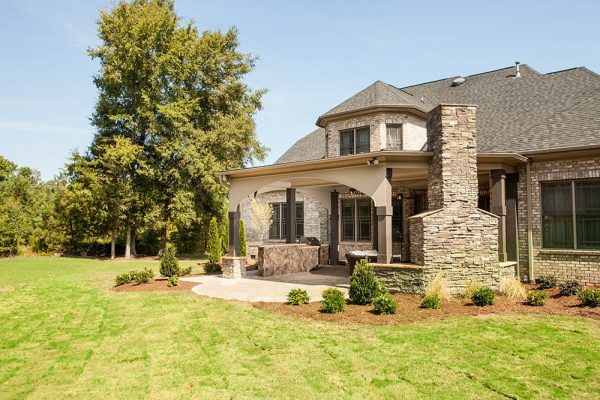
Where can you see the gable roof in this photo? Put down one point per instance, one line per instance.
(531, 113)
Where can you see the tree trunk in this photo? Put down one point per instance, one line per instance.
(112, 244)
(132, 243)
(163, 239)
(128, 240)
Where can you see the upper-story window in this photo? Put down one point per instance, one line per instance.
(394, 137)
(355, 141)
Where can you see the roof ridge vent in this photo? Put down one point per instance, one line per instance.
(458, 81)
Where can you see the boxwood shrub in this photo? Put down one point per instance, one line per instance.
(211, 268)
(483, 296)
(432, 301)
(589, 297)
(333, 301)
(569, 288)
(364, 285)
(546, 282)
(385, 304)
(173, 281)
(537, 297)
(298, 296)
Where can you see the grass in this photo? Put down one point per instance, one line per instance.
(64, 333)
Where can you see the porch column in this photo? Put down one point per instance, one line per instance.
(234, 233)
(498, 207)
(290, 216)
(512, 230)
(334, 241)
(384, 225)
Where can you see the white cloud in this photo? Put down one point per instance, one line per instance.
(10, 127)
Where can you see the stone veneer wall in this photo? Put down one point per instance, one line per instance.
(413, 130)
(455, 238)
(581, 265)
(286, 259)
(400, 278)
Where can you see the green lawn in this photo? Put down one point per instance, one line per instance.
(65, 334)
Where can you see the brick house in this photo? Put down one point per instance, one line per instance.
(476, 177)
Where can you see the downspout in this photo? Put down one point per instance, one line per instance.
(529, 224)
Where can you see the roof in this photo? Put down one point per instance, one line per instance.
(531, 113)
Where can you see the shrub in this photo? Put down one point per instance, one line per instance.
(438, 286)
(169, 264)
(569, 288)
(546, 282)
(185, 271)
(123, 279)
(385, 304)
(214, 242)
(242, 239)
(143, 276)
(298, 296)
(333, 301)
(211, 268)
(432, 301)
(513, 289)
(173, 281)
(537, 297)
(224, 239)
(483, 296)
(471, 288)
(364, 285)
(589, 297)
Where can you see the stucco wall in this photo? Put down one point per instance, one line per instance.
(580, 265)
(414, 134)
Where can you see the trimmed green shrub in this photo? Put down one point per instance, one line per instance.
(224, 238)
(569, 288)
(364, 285)
(173, 281)
(185, 271)
(298, 296)
(123, 278)
(483, 296)
(537, 297)
(333, 301)
(169, 264)
(432, 301)
(214, 242)
(589, 297)
(385, 304)
(546, 282)
(211, 268)
(143, 276)
(242, 239)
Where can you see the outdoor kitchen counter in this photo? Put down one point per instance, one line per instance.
(282, 259)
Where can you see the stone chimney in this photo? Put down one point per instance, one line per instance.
(452, 136)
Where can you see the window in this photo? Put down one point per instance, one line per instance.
(356, 219)
(394, 137)
(355, 141)
(483, 199)
(397, 220)
(278, 228)
(571, 215)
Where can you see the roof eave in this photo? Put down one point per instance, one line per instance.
(419, 111)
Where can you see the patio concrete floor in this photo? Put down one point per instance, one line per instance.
(271, 288)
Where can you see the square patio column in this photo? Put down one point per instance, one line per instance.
(498, 207)
(334, 241)
(234, 233)
(290, 215)
(384, 225)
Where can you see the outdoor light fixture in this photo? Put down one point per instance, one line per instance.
(373, 161)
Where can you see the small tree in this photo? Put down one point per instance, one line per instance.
(261, 216)
(214, 242)
(225, 239)
(242, 239)
(169, 264)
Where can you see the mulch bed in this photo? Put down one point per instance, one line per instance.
(155, 285)
(409, 310)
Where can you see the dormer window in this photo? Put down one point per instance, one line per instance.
(394, 137)
(355, 141)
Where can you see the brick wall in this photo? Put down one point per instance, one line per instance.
(583, 266)
(413, 130)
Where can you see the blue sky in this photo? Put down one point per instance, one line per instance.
(313, 55)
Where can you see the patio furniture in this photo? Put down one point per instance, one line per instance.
(353, 256)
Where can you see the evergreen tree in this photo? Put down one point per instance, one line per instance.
(224, 238)
(214, 242)
(242, 239)
(169, 264)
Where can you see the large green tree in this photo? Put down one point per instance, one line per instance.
(179, 95)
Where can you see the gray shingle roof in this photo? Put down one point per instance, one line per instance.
(533, 112)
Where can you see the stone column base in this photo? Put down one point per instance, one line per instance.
(233, 267)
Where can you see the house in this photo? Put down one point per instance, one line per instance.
(477, 178)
